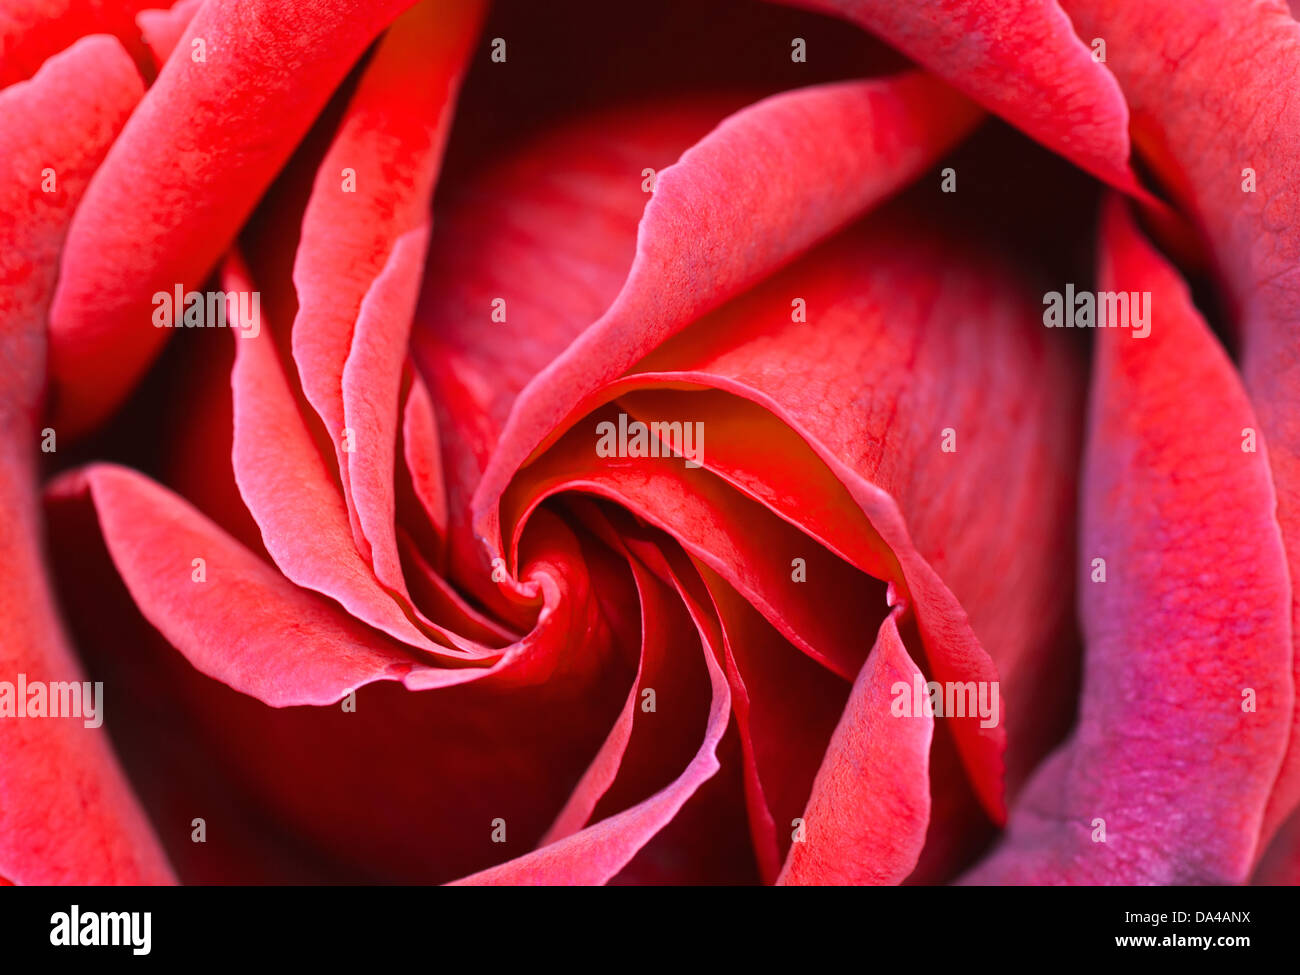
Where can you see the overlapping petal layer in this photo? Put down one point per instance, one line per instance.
(845, 442)
(33, 31)
(230, 119)
(549, 644)
(1018, 58)
(716, 226)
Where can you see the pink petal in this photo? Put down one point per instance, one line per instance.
(1167, 757)
(1213, 92)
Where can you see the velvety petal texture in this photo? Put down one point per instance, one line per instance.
(1213, 91)
(1019, 58)
(146, 227)
(67, 813)
(676, 276)
(632, 451)
(869, 807)
(373, 187)
(1187, 688)
(32, 31)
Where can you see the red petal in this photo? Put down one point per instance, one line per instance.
(550, 231)
(34, 30)
(371, 391)
(1018, 58)
(244, 624)
(1191, 615)
(871, 387)
(511, 745)
(1279, 864)
(645, 751)
(92, 87)
(67, 814)
(786, 708)
(390, 141)
(870, 805)
(746, 545)
(850, 428)
(1214, 93)
(290, 493)
(765, 185)
(151, 221)
(163, 29)
(597, 853)
(423, 459)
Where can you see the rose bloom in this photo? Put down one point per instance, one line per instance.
(683, 442)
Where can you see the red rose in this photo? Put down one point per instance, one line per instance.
(625, 446)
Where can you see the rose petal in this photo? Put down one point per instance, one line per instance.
(1018, 58)
(805, 169)
(645, 749)
(1212, 87)
(250, 627)
(597, 853)
(439, 599)
(163, 29)
(372, 191)
(870, 804)
(1279, 863)
(67, 813)
(147, 225)
(371, 391)
(1189, 627)
(227, 623)
(786, 710)
(280, 786)
(888, 362)
(283, 478)
(34, 30)
(423, 459)
(852, 427)
(549, 231)
(46, 169)
(746, 545)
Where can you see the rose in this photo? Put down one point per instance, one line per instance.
(389, 484)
